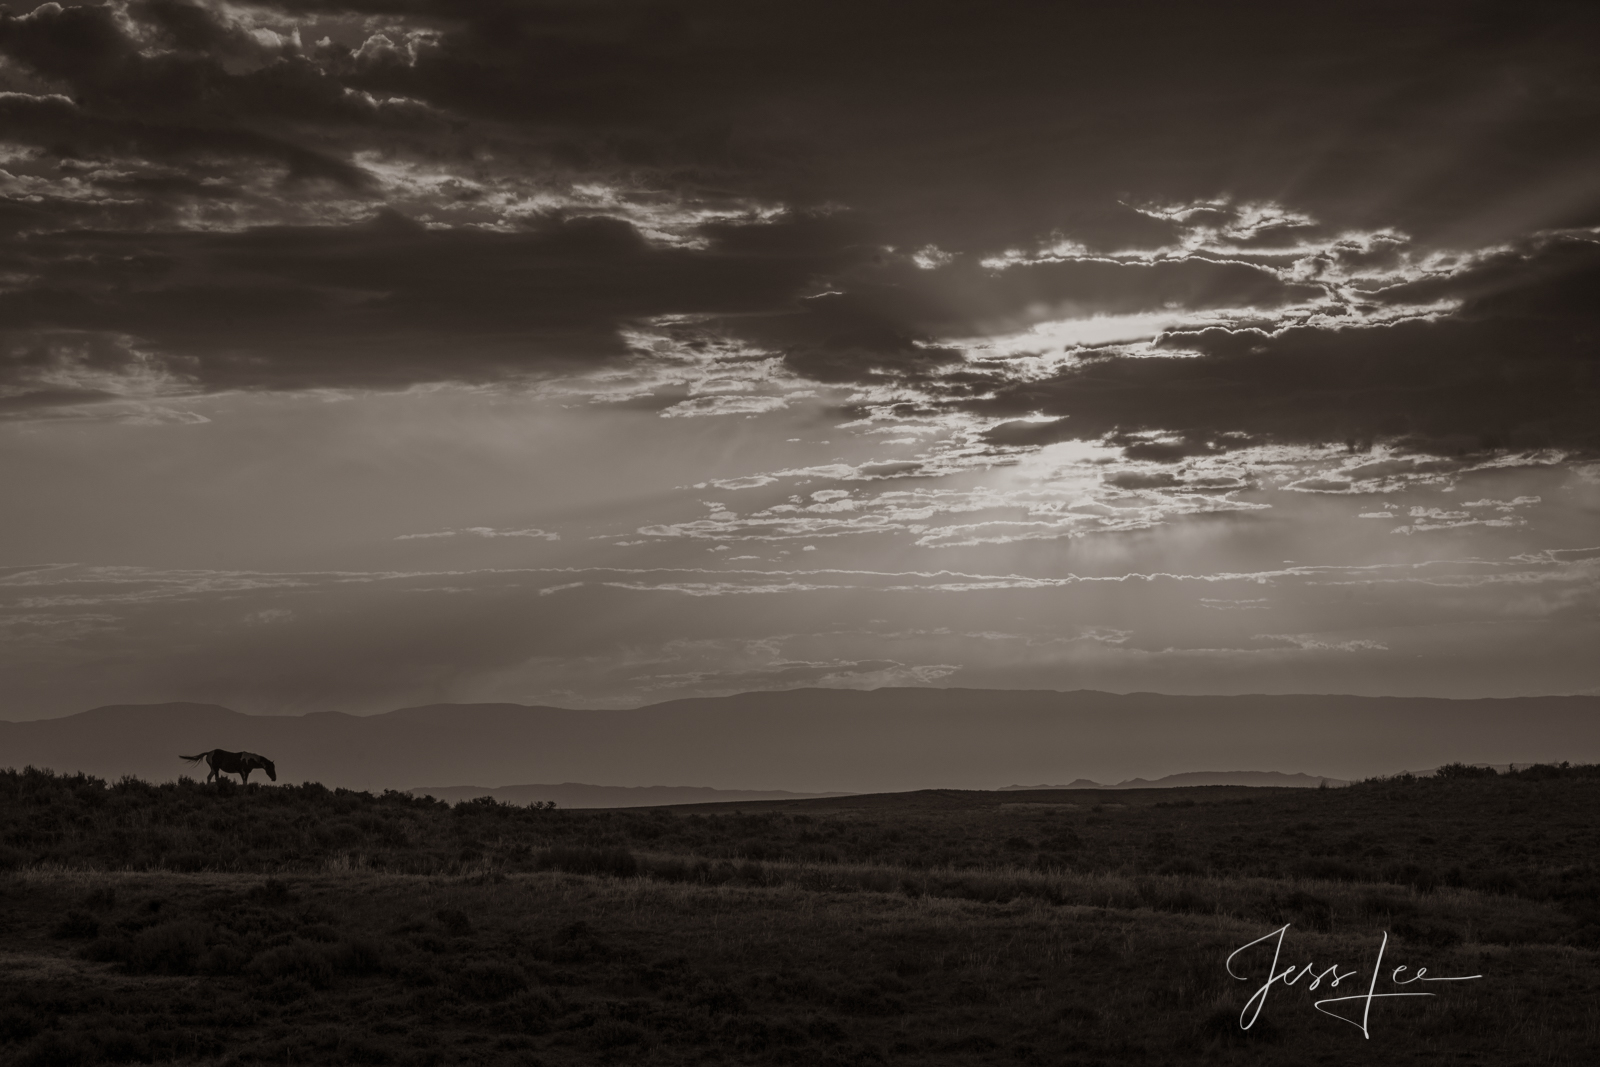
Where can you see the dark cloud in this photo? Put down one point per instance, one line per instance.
(780, 674)
(1134, 479)
(385, 192)
(68, 131)
(184, 67)
(1107, 288)
(25, 400)
(1517, 367)
(386, 303)
(885, 305)
(968, 122)
(841, 337)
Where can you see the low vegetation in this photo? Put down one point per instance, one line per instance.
(225, 924)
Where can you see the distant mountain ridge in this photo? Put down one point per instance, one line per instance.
(827, 740)
(578, 795)
(1173, 781)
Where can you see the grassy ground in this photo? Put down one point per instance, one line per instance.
(479, 934)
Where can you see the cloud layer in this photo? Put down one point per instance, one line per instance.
(668, 348)
(204, 198)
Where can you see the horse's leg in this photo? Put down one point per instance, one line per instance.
(244, 775)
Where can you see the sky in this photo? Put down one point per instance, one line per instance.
(391, 352)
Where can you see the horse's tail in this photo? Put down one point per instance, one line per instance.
(195, 759)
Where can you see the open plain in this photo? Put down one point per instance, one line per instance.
(219, 924)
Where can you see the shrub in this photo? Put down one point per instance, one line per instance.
(287, 991)
(1422, 879)
(358, 956)
(106, 950)
(17, 1025)
(1183, 902)
(299, 960)
(102, 899)
(76, 924)
(1222, 1027)
(1496, 881)
(1434, 935)
(1375, 904)
(529, 1012)
(491, 981)
(171, 948)
(362, 1051)
(56, 1049)
(455, 922)
(672, 870)
(1313, 911)
(120, 1046)
(576, 943)
(1327, 868)
(1064, 841)
(416, 974)
(223, 960)
(611, 1034)
(617, 862)
(1464, 770)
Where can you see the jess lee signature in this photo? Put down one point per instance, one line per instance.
(1291, 976)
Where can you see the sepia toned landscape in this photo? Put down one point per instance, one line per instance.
(808, 532)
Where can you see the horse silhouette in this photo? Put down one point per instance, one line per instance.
(241, 763)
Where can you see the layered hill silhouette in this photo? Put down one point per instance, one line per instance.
(828, 740)
(579, 795)
(1175, 781)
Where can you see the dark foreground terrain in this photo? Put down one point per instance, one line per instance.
(219, 924)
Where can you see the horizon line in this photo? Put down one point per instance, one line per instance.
(801, 689)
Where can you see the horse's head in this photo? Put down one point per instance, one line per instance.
(265, 764)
